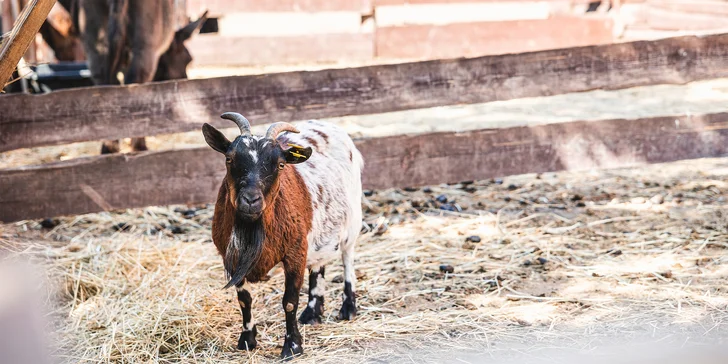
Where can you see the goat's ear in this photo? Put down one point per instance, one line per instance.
(192, 28)
(297, 154)
(215, 139)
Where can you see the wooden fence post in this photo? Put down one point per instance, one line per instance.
(22, 35)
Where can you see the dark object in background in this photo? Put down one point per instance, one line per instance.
(49, 77)
(49, 223)
(210, 26)
(447, 268)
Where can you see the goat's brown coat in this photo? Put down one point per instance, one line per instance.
(287, 223)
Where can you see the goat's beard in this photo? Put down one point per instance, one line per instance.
(244, 249)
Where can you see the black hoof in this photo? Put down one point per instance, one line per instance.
(247, 340)
(348, 310)
(291, 349)
(309, 317)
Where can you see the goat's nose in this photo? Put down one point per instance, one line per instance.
(251, 199)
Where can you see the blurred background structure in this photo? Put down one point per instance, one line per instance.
(242, 33)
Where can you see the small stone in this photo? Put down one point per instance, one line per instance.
(368, 193)
(615, 252)
(667, 274)
(527, 263)
(49, 223)
(657, 199)
(542, 261)
(447, 268)
(441, 199)
(498, 181)
(188, 213)
(410, 189)
(470, 189)
(473, 238)
(469, 246)
(512, 187)
(448, 207)
(577, 197)
(176, 229)
(122, 226)
(580, 204)
(427, 190)
(507, 199)
(338, 279)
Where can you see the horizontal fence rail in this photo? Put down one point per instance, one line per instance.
(113, 112)
(109, 182)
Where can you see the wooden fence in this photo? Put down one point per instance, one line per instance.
(191, 176)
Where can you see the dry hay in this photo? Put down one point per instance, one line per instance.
(566, 260)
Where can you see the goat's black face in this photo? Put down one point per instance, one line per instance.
(253, 167)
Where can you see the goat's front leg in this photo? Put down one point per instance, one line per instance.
(294, 271)
(245, 299)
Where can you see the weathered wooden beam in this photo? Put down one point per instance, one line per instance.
(22, 35)
(113, 112)
(483, 38)
(193, 175)
(222, 7)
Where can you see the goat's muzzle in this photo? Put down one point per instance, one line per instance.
(250, 205)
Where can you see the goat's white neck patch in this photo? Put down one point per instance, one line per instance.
(234, 241)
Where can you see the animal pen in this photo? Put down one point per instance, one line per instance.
(526, 201)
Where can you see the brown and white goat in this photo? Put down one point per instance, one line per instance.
(282, 202)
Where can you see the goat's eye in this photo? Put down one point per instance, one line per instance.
(281, 165)
(228, 160)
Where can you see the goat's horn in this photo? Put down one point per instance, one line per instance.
(278, 128)
(239, 120)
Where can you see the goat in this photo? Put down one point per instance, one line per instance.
(137, 33)
(280, 202)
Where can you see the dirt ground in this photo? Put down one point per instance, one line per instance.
(618, 266)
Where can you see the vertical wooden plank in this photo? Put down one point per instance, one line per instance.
(22, 35)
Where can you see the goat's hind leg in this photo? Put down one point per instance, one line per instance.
(312, 314)
(348, 307)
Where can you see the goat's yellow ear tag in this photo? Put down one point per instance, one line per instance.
(298, 155)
